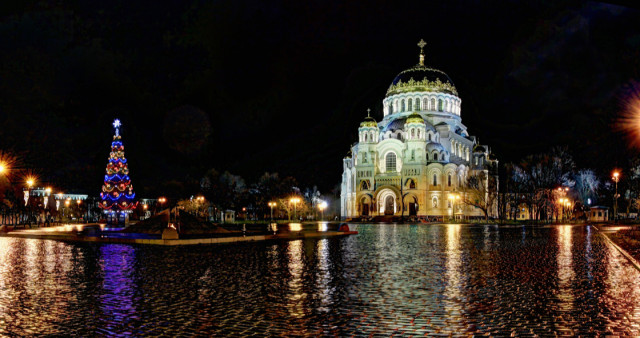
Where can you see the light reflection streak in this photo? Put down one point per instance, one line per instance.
(117, 265)
(296, 266)
(295, 226)
(323, 226)
(454, 264)
(323, 275)
(566, 273)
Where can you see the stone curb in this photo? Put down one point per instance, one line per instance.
(195, 241)
(621, 250)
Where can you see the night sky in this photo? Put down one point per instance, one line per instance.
(260, 86)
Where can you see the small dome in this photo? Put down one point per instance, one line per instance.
(415, 118)
(479, 149)
(369, 122)
(397, 124)
(431, 146)
(422, 79)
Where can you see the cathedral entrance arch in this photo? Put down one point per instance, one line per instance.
(387, 202)
(364, 205)
(412, 204)
(389, 205)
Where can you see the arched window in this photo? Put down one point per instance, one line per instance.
(449, 180)
(446, 106)
(410, 104)
(412, 184)
(418, 133)
(366, 137)
(433, 104)
(364, 185)
(390, 161)
(435, 157)
(434, 202)
(435, 179)
(439, 104)
(402, 105)
(391, 108)
(427, 155)
(429, 137)
(413, 133)
(417, 104)
(425, 104)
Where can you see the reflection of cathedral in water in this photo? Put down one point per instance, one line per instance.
(420, 153)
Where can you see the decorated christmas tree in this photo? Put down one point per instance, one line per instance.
(117, 192)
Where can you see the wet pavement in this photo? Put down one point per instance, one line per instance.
(390, 279)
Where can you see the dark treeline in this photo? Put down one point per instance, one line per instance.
(544, 186)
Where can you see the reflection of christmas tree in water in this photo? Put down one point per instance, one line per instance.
(117, 192)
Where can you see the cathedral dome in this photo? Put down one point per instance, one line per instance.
(415, 118)
(369, 122)
(422, 79)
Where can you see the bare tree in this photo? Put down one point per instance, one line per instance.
(480, 191)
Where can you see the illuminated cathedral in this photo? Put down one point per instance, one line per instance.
(415, 161)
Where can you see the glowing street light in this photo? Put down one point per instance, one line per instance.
(295, 201)
(322, 206)
(271, 205)
(2, 168)
(616, 178)
(453, 198)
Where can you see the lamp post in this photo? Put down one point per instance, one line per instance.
(162, 200)
(67, 203)
(453, 198)
(30, 183)
(322, 206)
(295, 202)
(78, 201)
(271, 205)
(616, 178)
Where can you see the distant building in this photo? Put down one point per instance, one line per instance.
(598, 213)
(418, 156)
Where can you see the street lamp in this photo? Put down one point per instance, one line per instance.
(322, 206)
(616, 178)
(271, 205)
(295, 202)
(453, 198)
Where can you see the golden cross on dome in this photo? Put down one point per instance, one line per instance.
(421, 44)
(368, 112)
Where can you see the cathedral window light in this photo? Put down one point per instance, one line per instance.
(390, 161)
(410, 104)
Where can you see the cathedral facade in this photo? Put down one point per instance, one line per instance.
(416, 160)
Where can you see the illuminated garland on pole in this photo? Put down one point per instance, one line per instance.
(117, 191)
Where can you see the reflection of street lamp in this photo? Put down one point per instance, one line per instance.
(616, 178)
(295, 202)
(272, 205)
(322, 206)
